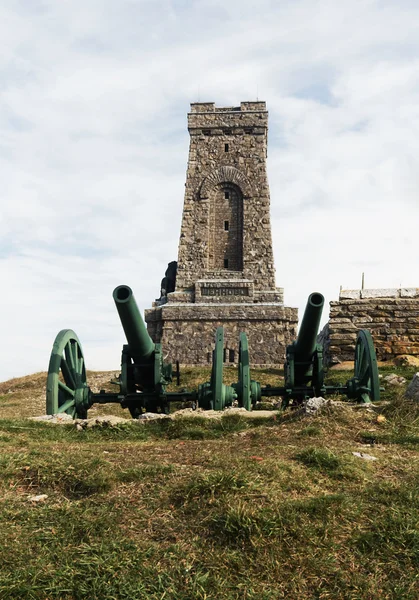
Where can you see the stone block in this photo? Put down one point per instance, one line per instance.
(343, 337)
(349, 294)
(405, 360)
(380, 293)
(409, 293)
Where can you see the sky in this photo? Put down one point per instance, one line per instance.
(94, 96)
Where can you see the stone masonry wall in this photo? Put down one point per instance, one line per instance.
(187, 333)
(227, 152)
(391, 315)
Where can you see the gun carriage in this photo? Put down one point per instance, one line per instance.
(304, 369)
(142, 383)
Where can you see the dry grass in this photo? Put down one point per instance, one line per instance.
(195, 509)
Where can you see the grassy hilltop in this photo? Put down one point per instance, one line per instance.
(233, 508)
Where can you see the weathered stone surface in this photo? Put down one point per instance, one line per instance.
(54, 419)
(405, 360)
(225, 272)
(114, 421)
(383, 293)
(409, 292)
(412, 391)
(38, 498)
(226, 182)
(349, 294)
(315, 405)
(391, 315)
(364, 456)
(395, 380)
(189, 331)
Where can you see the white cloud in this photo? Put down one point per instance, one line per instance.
(93, 150)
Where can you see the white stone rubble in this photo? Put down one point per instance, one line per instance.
(412, 391)
(314, 405)
(39, 498)
(364, 456)
(394, 379)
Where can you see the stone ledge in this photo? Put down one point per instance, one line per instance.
(349, 294)
(379, 293)
(409, 293)
(222, 312)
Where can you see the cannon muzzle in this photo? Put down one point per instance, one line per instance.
(140, 344)
(305, 344)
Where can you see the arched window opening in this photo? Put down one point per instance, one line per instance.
(226, 231)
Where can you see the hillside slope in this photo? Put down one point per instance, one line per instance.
(200, 509)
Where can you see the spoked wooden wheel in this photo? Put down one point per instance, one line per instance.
(365, 386)
(67, 389)
(217, 388)
(243, 384)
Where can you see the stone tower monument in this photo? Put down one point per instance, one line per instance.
(225, 271)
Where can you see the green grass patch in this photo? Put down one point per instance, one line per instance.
(327, 462)
(209, 488)
(378, 437)
(144, 472)
(322, 459)
(210, 509)
(310, 431)
(72, 477)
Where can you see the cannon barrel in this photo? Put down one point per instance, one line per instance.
(305, 343)
(140, 344)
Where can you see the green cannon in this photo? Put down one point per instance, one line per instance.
(143, 379)
(142, 383)
(304, 356)
(144, 375)
(304, 370)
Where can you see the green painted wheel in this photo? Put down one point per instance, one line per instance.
(365, 384)
(213, 394)
(243, 387)
(67, 389)
(218, 397)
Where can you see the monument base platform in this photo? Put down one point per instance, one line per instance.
(187, 331)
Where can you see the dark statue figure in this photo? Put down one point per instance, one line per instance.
(168, 283)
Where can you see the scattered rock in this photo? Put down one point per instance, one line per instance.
(59, 418)
(406, 360)
(147, 416)
(364, 456)
(218, 414)
(113, 420)
(103, 421)
(394, 379)
(188, 412)
(314, 405)
(234, 410)
(39, 498)
(412, 391)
